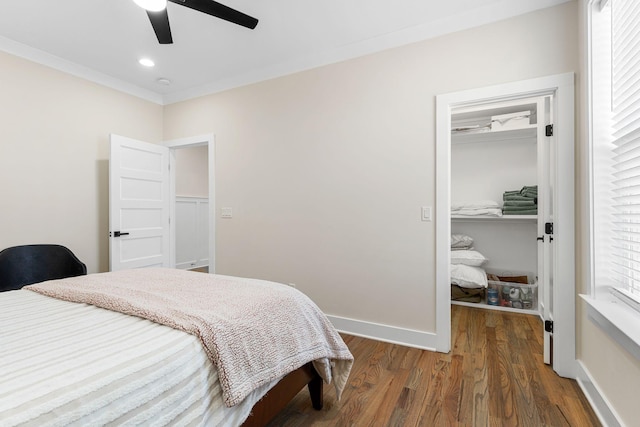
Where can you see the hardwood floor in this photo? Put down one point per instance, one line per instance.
(494, 376)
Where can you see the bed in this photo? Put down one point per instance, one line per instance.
(121, 349)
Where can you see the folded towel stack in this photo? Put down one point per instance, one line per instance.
(476, 208)
(521, 202)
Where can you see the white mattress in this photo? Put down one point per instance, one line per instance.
(68, 364)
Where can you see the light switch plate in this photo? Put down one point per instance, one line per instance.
(227, 213)
(426, 213)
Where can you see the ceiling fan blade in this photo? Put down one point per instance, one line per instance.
(160, 23)
(218, 10)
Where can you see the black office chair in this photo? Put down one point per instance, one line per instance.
(24, 265)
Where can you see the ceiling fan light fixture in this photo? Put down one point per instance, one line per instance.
(152, 5)
(159, 16)
(146, 62)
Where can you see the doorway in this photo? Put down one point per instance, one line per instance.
(562, 265)
(192, 208)
(198, 203)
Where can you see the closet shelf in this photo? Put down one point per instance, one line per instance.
(525, 133)
(505, 218)
(496, 307)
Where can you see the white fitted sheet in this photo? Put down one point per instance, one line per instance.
(69, 364)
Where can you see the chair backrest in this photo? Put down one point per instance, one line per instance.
(24, 265)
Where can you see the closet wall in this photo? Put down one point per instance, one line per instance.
(482, 169)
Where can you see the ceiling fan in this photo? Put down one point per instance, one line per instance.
(157, 12)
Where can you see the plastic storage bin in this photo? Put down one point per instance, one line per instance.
(516, 295)
(522, 296)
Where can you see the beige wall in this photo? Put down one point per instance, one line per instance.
(54, 151)
(326, 170)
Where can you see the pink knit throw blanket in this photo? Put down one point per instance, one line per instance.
(253, 331)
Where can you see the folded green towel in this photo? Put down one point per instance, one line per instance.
(515, 197)
(525, 212)
(518, 208)
(526, 196)
(529, 191)
(525, 188)
(529, 203)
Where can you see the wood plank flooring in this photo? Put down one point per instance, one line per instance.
(494, 376)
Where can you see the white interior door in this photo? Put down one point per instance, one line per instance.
(139, 204)
(545, 216)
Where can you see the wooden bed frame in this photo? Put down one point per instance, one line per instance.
(282, 393)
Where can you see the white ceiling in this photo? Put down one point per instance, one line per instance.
(102, 40)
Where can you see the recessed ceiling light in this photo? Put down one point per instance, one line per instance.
(163, 81)
(146, 62)
(152, 5)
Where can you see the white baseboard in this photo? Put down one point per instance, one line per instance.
(598, 401)
(386, 333)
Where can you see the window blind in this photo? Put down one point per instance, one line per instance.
(625, 106)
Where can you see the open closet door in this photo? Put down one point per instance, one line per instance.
(546, 259)
(139, 204)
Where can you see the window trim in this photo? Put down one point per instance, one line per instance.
(619, 320)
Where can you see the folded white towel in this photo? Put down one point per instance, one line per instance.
(479, 204)
(477, 212)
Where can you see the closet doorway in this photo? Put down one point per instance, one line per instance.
(192, 162)
(192, 208)
(517, 134)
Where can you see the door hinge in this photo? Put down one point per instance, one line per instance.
(548, 228)
(548, 326)
(548, 130)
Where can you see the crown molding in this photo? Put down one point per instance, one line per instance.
(68, 67)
